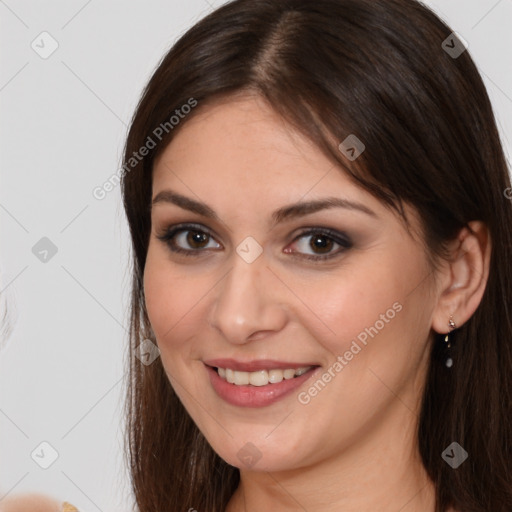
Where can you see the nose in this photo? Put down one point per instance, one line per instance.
(247, 307)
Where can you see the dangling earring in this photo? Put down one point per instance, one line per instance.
(449, 360)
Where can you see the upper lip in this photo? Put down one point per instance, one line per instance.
(255, 365)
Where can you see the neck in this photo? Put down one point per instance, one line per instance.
(381, 470)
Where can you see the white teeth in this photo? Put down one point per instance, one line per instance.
(289, 374)
(275, 376)
(260, 377)
(242, 379)
(230, 376)
(257, 378)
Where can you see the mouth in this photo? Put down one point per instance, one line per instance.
(258, 383)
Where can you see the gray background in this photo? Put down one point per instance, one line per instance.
(63, 122)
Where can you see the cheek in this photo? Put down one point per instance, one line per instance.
(360, 303)
(166, 298)
(375, 347)
(373, 324)
(174, 303)
(159, 297)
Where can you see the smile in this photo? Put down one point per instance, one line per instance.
(260, 377)
(257, 383)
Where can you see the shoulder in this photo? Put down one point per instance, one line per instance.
(33, 502)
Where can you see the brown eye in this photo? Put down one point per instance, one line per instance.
(196, 239)
(321, 244)
(188, 240)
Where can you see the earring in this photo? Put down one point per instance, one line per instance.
(449, 360)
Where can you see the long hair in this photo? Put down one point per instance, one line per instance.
(382, 70)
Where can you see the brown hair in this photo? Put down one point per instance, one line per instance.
(331, 68)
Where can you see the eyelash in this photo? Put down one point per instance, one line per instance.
(340, 238)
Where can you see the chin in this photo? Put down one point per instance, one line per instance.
(255, 453)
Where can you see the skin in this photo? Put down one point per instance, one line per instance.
(353, 446)
(34, 502)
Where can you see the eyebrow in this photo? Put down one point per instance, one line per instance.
(286, 212)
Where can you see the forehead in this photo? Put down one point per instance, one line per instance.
(241, 144)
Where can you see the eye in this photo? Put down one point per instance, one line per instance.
(321, 242)
(191, 239)
(187, 239)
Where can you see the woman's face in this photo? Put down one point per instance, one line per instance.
(244, 295)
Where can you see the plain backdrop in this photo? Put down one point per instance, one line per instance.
(64, 254)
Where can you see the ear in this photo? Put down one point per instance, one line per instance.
(464, 277)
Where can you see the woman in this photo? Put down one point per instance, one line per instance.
(321, 273)
(322, 247)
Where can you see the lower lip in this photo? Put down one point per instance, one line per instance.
(255, 396)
